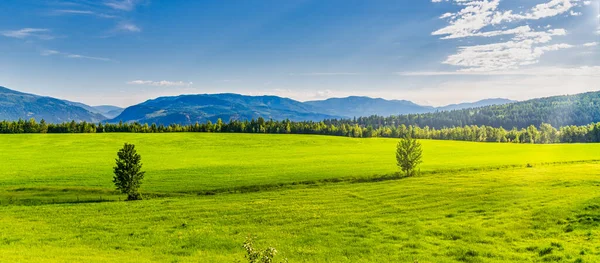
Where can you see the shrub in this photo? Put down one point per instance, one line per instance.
(257, 256)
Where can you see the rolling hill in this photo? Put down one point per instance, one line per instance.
(16, 105)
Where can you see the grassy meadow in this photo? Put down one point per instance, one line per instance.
(474, 202)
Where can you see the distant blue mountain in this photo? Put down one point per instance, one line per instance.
(108, 110)
(16, 105)
(364, 106)
(188, 109)
(477, 104)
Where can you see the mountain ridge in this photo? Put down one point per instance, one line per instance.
(191, 108)
(16, 105)
(186, 109)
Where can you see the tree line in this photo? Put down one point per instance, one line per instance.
(544, 133)
(558, 111)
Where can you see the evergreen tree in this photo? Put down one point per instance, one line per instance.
(408, 155)
(128, 172)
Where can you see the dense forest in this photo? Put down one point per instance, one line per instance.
(544, 133)
(558, 111)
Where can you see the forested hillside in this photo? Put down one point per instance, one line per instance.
(16, 105)
(580, 109)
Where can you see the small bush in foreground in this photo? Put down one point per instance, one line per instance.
(256, 256)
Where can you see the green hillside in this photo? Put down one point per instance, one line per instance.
(579, 109)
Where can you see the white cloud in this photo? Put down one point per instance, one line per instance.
(77, 12)
(523, 49)
(526, 45)
(86, 57)
(122, 5)
(472, 18)
(591, 44)
(162, 83)
(40, 33)
(50, 52)
(128, 27)
(81, 12)
(326, 74)
(549, 9)
(573, 13)
(589, 71)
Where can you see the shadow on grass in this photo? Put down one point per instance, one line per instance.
(33, 196)
(370, 179)
(30, 196)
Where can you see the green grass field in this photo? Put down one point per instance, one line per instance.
(474, 202)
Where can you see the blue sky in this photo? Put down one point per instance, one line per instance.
(433, 52)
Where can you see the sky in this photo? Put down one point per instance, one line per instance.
(432, 52)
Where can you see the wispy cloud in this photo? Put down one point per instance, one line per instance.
(123, 5)
(326, 74)
(589, 71)
(40, 33)
(81, 12)
(162, 83)
(87, 57)
(128, 27)
(50, 52)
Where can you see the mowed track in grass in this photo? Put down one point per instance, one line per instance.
(196, 162)
(547, 213)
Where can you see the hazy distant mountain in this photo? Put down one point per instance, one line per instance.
(365, 106)
(109, 111)
(187, 109)
(477, 104)
(16, 105)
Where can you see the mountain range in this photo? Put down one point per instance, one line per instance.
(187, 109)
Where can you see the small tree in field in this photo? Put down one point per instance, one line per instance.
(408, 155)
(128, 172)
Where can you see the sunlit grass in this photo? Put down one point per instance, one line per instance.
(509, 215)
(475, 202)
